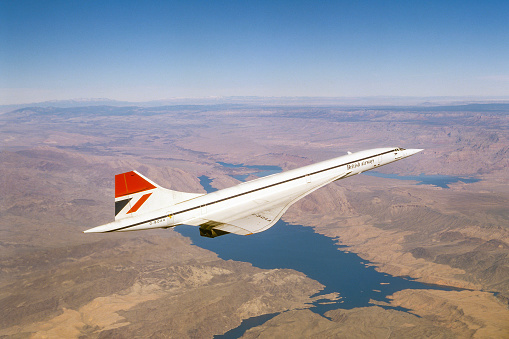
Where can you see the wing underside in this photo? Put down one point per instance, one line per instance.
(258, 221)
(253, 223)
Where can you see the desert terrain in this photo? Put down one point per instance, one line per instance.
(57, 167)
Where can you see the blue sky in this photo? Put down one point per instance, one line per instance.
(148, 50)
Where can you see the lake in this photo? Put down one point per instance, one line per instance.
(258, 170)
(435, 180)
(300, 248)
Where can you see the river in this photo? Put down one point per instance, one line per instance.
(300, 248)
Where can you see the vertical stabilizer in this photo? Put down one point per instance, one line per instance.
(131, 182)
(136, 194)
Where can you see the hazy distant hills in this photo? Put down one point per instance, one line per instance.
(449, 103)
(459, 114)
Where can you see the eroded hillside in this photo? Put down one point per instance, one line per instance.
(57, 166)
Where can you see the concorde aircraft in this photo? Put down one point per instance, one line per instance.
(247, 208)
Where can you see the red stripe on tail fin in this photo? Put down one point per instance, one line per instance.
(139, 203)
(129, 183)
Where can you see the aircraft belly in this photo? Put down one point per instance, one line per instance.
(247, 216)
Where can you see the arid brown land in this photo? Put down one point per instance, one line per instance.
(57, 168)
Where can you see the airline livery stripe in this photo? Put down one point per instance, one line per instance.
(139, 203)
(255, 190)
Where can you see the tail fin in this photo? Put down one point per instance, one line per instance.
(136, 194)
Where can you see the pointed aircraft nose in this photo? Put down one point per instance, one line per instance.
(94, 230)
(412, 151)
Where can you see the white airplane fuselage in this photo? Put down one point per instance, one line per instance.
(254, 206)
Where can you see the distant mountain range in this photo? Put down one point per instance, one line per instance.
(380, 101)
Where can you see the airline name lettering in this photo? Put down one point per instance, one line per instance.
(359, 164)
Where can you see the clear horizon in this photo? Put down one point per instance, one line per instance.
(133, 51)
(366, 102)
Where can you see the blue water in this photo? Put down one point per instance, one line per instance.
(259, 170)
(205, 182)
(422, 179)
(300, 248)
(257, 167)
(238, 332)
(435, 180)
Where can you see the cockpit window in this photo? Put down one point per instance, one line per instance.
(399, 149)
